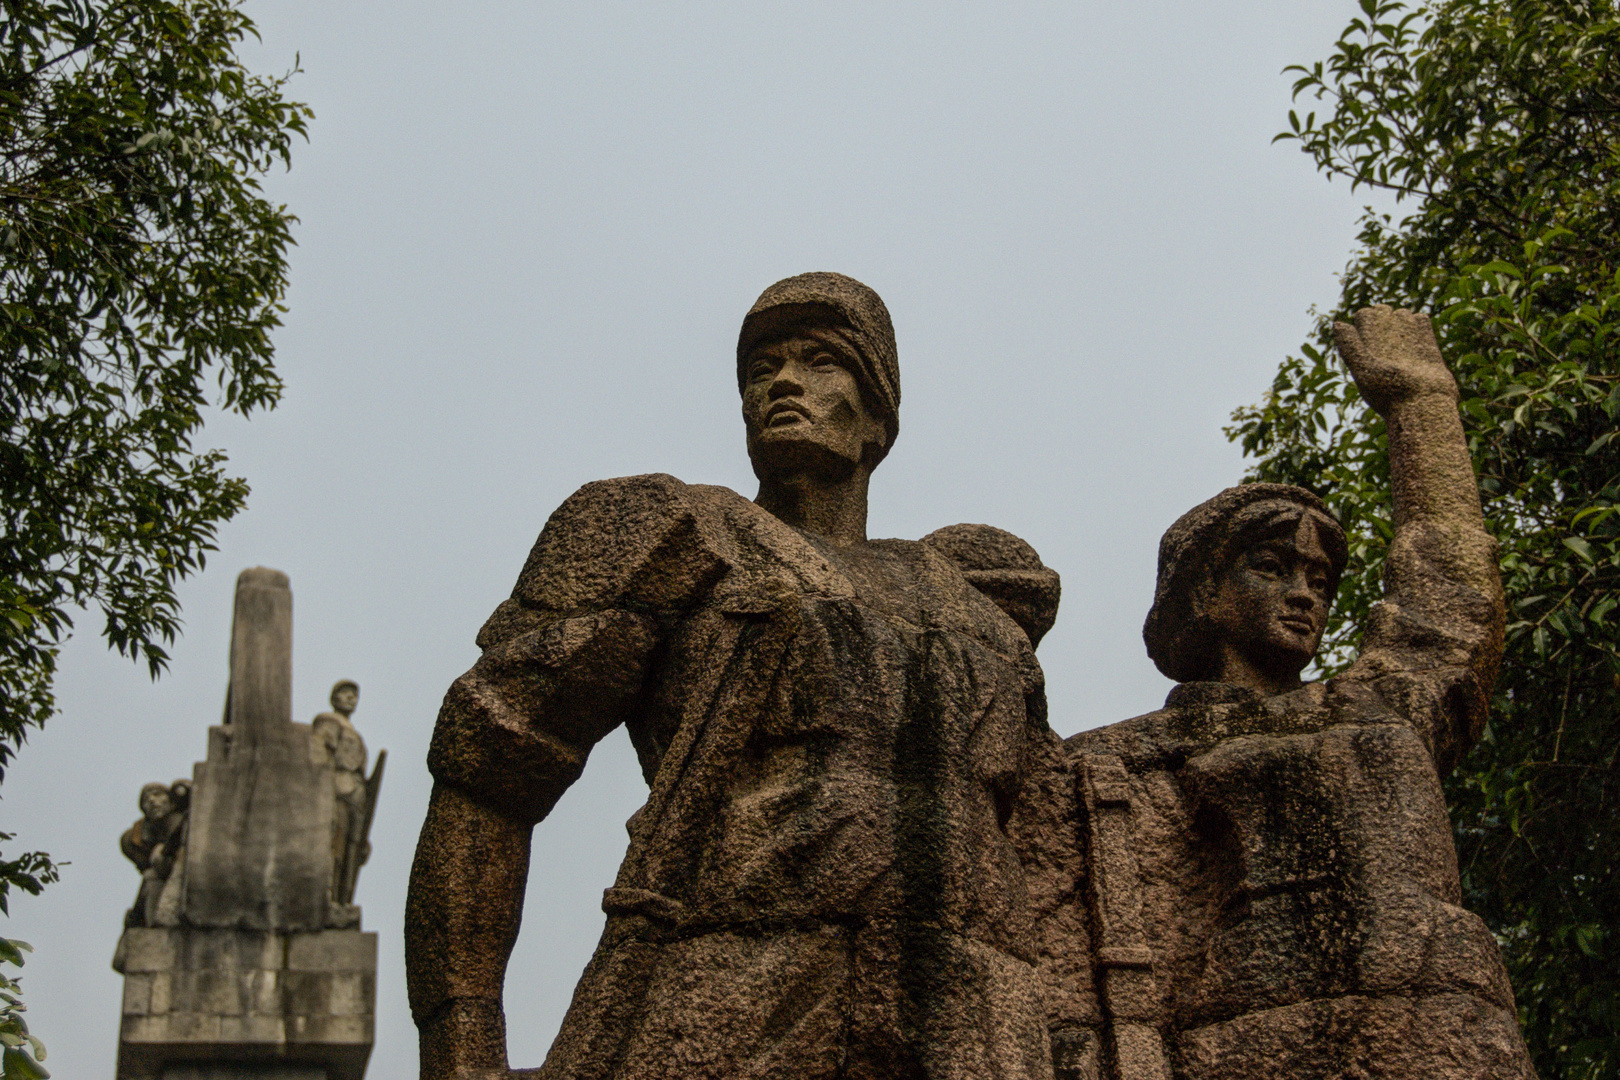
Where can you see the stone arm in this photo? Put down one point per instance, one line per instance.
(1432, 646)
(513, 734)
(564, 661)
(323, 737)
(133, 843)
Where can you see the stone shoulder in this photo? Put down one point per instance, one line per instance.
(945, 596)
(647, 544)
(1006, 569)
(1198, 717)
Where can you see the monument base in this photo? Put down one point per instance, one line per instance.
(205, 1004)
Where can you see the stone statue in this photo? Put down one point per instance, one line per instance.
(232, 967)
(336, 741)
(154, 843)
(834, 732)
(1269, 878)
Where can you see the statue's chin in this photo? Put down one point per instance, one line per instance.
(781, 453)
(1282, 667)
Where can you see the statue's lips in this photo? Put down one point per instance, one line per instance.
(1301, 626)
(785, 411)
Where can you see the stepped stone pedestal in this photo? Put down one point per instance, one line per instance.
(222, 1004)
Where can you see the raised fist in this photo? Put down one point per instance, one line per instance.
(1393, 356)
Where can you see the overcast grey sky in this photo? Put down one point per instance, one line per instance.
(529, 233)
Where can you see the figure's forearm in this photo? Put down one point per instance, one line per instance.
(1444, 619)
(1440, 539)
(461, 920)
(1431, 473)
(512, 735)
(1439, 524)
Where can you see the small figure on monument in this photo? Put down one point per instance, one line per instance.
(834, 731)
(336, 741)
(154, 842)
(1272, 886)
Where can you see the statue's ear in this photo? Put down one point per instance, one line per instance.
(1005, 569)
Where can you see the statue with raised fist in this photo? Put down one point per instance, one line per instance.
(1272, 882)
(864, 854)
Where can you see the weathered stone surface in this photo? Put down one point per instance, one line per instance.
(229, 1004)
(335, 742)
(1006, 569)
(1437, 1037)
(259, 850)
(849, 728)
(864, 854)
(835, 732)
(156, 845)
(1288, 844)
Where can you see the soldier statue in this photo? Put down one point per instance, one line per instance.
(833, 730)
(355, 797)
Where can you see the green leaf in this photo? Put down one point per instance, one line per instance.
(145, 274)
(19, 1066)
(1579, 547)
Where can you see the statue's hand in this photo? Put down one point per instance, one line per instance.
(1393, 357)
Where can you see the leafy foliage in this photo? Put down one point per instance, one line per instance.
(22, 1053)
(139, 254)
(29, 872)
(1497, 123)
(19, 1050)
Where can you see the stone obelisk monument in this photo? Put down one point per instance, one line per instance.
(236, 967)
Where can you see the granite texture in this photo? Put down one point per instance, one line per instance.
(1272, 884)
(820, 882)
(232, 1004)
(865, 854)
(833, 731)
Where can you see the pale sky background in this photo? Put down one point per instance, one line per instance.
(529, 233)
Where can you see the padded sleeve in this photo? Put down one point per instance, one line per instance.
(1431, 647)
(1005, 569)
(565, 659)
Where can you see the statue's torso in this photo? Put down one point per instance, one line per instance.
(1296, 872)
(336, 740)
(820, 883)
(858, 751)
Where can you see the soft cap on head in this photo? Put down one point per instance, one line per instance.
(850, 305)
(1191, 554)
(341, 685)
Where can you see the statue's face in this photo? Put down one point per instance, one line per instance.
(344, 699)
(1272, 600)
(803, 409)
(155, 804)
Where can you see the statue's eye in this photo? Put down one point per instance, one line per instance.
(824, 360)
(761, 369)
